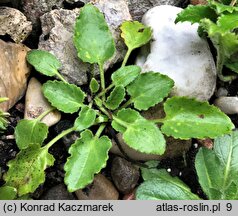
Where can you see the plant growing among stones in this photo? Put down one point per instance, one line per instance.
(218, 21)
(116, 105)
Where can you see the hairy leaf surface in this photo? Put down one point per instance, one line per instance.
(86, 118)
(125, 75)
(92, 37)
(187, 118)
(139, 133)
(67, 98)
(89, 155)
(149, 89)
(26, 171)
(115, 98)
(29, 132)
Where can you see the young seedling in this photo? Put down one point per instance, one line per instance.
(218, 21)
(185, 118)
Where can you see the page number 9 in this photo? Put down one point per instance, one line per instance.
(228, 206)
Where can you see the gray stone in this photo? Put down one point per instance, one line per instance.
(14, 72)
(124, 175)
(228, 105)
(221, 92)
(176, 50)
(57, 38)
(14, 23)
(100, 189)
(34, 9)
(58, 192)
(139, 7)
(36, 104)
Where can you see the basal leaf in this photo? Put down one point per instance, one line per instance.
(221, 8)
(86, 118)
(92, 37)
(125, 75)
(218, 169)
(194, 14)
(94, 86)
(149, 89)
(228, 22)
(29, 132)
(26, 171)
(135, 34)
(115, 98)
(88, 156)
(44, 62)
(187, 118)
(67, 98)
(139, 133)
(7, 193)
(164, 187)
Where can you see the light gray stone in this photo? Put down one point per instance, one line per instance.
(228, 105)
(139, 7)
(36, 104)
(176, 50)
(14, 23)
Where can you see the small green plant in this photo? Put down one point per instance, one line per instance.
(116, 105)
(3, 115)
(218, 21)
(217, 172)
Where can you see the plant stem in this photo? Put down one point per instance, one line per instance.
(42, 115)
(157, 120)
(61, 77)
(219, 66)
(105, 112)
(126, 57)
(59, 136)
(128, 103)
(102, 79)
(119, 121)
(233, 2)
(100, 130)
(105, 90)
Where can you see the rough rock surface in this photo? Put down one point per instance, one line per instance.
(124, 175)
(177, 51)
(14, 23)
(115, 12)
(100, 189)
(36, 104)
(13, 72)
(33, 9)
(228, 105)
(139, 7)
(195, 2)
(58, 192)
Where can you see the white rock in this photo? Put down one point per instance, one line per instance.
(36, 104)
(228, 105)
(177, 51)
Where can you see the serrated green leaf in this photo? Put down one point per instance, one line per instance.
(149, 89)
(67, 98)
(195, 14)
(135, 34)
(115, 98)
(94, 86)
(164, 187)
(44, 62)
(139, 133)
(7, 193)
(92, 37)
(187, 118)
(125, 75)
(221, 8)
(228, 22)
(86, 118)
(26, 171)
(225, 42)
(218, 169)
(88, 156)
(30, 131)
